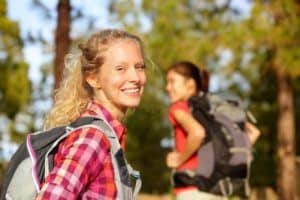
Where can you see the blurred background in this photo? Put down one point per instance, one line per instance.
(251, 48)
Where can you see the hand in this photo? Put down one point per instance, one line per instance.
(253, 132)
(173, 159)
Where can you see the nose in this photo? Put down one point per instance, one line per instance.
(167, 87)
(134, 75)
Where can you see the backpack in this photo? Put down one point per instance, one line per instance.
(35, 157)
(224, 157)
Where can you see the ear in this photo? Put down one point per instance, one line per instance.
(191, 84)
(93, 81)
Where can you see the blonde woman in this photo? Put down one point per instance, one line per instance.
(104, 81)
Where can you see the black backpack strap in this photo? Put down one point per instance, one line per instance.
(62, 132)
(83, 121)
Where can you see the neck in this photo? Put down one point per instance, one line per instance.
(114, 110)
(190, 94)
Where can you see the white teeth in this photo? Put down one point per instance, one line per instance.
(131, 90)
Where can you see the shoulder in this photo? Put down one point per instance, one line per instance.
(179, 105)
(179, 111)
(89, 136)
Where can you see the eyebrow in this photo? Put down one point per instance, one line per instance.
(126, 63)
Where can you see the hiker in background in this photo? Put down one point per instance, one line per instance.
(104, 81)
(185, 80)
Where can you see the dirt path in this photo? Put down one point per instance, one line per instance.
(153, 197)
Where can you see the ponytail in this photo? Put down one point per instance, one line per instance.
(204, 80)
(71, 98)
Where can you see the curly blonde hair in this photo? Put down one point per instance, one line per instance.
(74, 93)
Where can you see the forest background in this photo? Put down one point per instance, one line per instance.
(251, 48)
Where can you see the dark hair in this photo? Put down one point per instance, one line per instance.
(190, 70)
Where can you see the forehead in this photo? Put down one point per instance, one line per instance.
(123, 43)
(123, 49)
(172, 75)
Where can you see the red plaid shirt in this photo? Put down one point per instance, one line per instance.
(83, 166)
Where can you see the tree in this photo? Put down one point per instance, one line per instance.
(280, 54)
(62, 38)
(146, 127)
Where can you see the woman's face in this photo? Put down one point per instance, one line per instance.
(122, 77)
(177, 86)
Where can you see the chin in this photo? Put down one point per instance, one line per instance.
(173, 100)
(131, 104)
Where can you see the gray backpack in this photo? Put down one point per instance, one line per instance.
(34, 160)
(225, 156)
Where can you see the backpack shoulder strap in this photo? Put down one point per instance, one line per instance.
(109, 133)
(83, 121)
(122, 170)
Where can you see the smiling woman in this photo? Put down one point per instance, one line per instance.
(103, 82)
(121, 77)
(110, 71)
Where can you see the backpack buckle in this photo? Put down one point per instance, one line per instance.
(135, 174)
(69, 128)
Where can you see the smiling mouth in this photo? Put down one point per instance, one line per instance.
(132, 91)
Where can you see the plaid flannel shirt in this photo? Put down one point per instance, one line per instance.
(83, 167)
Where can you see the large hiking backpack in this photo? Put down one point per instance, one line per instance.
(34, 160)
(225, 156)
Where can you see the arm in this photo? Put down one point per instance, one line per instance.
(252, 132)
(195, 135)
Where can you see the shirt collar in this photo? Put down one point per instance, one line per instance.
(94, 108)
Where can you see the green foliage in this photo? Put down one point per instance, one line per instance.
(281, 20)
(147, 126)
(173, 36)
(3, 167)
(271, 35)
(3, 7)
(263, 105)
(14, 83)
(10, 41)
(14, 87)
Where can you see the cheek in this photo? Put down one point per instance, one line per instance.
(143, 78)
(111, 83)
(176, 87)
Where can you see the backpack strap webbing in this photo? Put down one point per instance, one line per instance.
(122, 170)
(83, 121)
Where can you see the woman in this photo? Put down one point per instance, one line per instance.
(105, 81)
(185, 80)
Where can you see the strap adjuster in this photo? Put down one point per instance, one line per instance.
(135, 174)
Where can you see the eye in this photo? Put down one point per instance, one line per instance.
(140, 67)
(120, 68)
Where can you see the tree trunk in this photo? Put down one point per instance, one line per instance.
(62, 39)
(286, 177)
